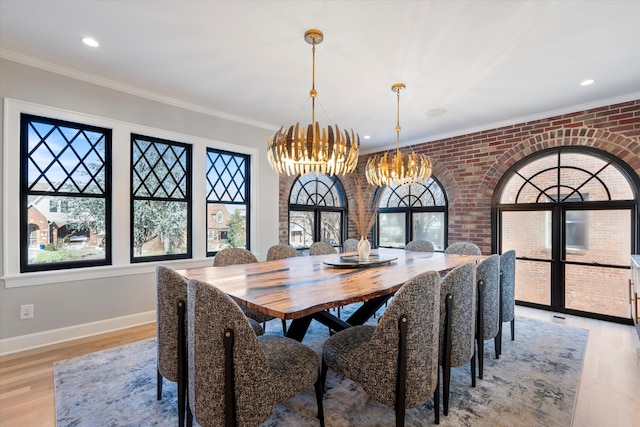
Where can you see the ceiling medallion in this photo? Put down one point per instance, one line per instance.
(391, 169)
(301, 150)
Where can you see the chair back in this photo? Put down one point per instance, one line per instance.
(418, 299)
(463, 248)
(170, 287)
(211, 313)
(488, 271)
(321, 248)
(461, 284)
(508, 284)
(419, 246)
(232, 256)
(350, 245)
(281, 252)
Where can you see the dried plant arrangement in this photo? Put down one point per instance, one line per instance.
(362, 217)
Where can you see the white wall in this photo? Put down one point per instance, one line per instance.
(75, 303)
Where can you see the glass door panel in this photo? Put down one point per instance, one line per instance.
(597, 246)
(533, 280)
(528, 233)
(597, 289)
(598, 236)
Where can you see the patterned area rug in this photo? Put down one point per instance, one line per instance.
(534, 382)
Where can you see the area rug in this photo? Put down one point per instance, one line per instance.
(534, 383)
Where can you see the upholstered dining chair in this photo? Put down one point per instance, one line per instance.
(171, 292)
(234, 256)
(488, 317)
(396, 362)
(463, 248)
(419, 246)
(234, 377)
(276, 252)
(457, 324)
(350, 245)
(321, 248)
(507, 294)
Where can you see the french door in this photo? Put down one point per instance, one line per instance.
(571, 259)
(571, 215)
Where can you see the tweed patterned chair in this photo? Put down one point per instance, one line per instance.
(321, 248)
(419, 246)
(234, 256)
(171, 288)
(350, 245)
(235, 377)
(507, 294)
(463, 248)
(457, 324)
(488, 279)
(396, 361)
(276, 252)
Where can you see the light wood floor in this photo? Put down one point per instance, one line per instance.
(609, 393)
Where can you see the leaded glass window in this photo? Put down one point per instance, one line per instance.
(316, 211)
(412, 212)
(228, 204)
(65, 194)
(160, 199)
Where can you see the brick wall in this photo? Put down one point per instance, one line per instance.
(470, 166)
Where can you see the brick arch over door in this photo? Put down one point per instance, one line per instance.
(625, 148)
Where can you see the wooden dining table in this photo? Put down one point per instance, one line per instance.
(303, 288)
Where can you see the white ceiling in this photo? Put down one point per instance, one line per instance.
(488, 63)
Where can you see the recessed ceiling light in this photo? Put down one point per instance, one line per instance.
(435, 112)
(90, 42)
(587, 82)
(367, 137)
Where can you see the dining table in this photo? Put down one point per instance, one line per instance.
(305, 288)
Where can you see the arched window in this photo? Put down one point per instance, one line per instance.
(570, 213)
(316, 211)
(412, 212)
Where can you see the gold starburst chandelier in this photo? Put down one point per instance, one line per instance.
(320, 150)
(393, 170)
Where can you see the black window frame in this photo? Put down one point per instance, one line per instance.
(26, 192)
(187, 198)
(318, 209)
(409, 210)
(246, 196)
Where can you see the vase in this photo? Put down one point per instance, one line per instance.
(364, 249)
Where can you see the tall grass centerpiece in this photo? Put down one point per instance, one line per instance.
(363, 219)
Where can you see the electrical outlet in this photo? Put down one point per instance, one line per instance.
(26, 311)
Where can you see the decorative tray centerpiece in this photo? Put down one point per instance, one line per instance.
(354, 261)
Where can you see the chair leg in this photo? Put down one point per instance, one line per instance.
(323, 375)
(496, 346)
(480, 328)
(498, 341)
(159, 385)
(473, 369)
(319, 392)
(513, 329)
(480, 352)
(189, 416)
(446, 362)
(436, 398)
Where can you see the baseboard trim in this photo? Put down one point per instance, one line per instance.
(55, 336)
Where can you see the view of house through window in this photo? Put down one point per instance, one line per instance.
(161, 199)
(412, 212)
(65, 194)
(569, 213)
(227, 200)
(316, 211)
